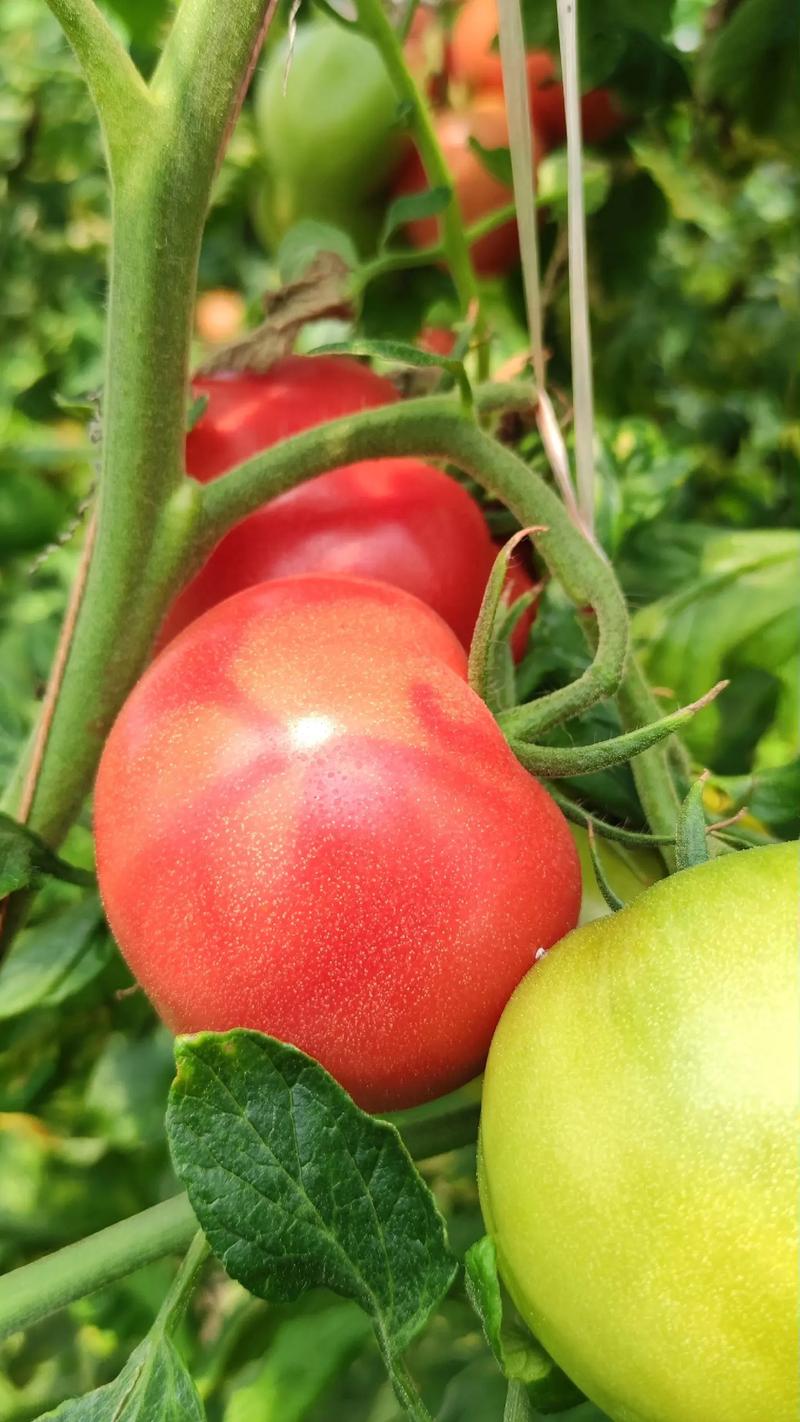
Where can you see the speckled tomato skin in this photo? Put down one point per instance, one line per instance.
(639, 1147)
(308, 824)
(396, 519)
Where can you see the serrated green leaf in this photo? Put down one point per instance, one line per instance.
(25, 858)
(154, 1386)
(518, 1354)
(296, 1188)
(55, 959)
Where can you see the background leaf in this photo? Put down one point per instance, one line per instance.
(154, 1386)
(55, 959)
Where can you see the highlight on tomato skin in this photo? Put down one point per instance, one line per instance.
(338, 847)
(397, 519)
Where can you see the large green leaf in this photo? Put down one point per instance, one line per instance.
(297, 1188)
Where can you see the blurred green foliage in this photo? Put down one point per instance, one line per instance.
(695, 286)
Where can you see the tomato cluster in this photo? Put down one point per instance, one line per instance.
(333, 149)
(400, 520)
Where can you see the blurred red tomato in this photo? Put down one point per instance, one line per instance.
(478, 192)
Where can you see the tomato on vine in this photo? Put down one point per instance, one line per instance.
(339, 847)
(395, 519)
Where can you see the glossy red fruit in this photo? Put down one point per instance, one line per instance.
(395, 519)
(308, 824)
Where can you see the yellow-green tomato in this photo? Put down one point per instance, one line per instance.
(629, 871)
(638, 1147)
(329, 129)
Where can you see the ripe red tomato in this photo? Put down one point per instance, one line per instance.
(394, 519)
(477, 191)
(474, 56)
(307, 823)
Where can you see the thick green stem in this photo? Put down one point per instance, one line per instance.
(146, 509)
(120, 94)
(35, 1290)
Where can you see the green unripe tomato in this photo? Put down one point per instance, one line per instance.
(331, 137)
(628, 871)
(638, 1147)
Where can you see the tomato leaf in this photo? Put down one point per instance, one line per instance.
(521, 1359)
(154, 1384)
(55, 959)
(296, 1188)
(402, 354)
(736, 616)
(496, 161)
(412, 208)
(305, 241)
(25, 858)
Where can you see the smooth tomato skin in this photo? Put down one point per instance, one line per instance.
(308, 824)
(477, 191)
(394, 519)
(638, 1147)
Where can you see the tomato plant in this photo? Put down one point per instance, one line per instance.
(647, 1067)
(395, 519)
(312, 847)
(341, 849)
